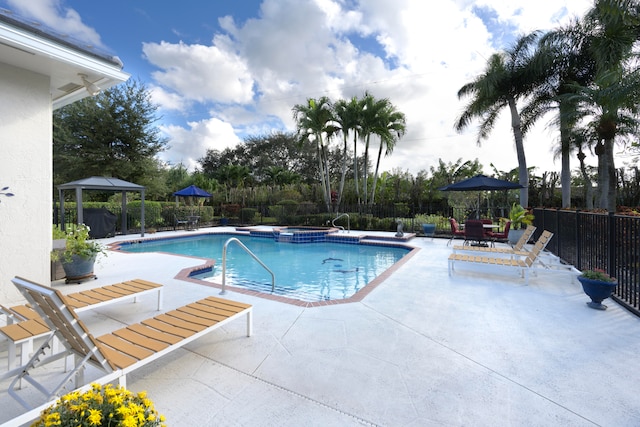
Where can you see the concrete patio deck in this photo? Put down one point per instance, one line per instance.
(422, 349)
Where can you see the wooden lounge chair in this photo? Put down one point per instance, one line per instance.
(124, 350)
(523, 264)
(518, 249)
(24, 324)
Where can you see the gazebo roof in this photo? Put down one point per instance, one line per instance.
(101, 183)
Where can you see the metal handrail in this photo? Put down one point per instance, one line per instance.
(224, 264)
(340, 216)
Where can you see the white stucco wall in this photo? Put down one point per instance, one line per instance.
(26, 167)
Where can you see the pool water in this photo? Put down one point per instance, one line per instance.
(318, 271)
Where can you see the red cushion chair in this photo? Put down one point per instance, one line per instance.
(455, 230)
(474, 232)
(501, 236)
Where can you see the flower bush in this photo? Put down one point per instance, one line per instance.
(101, 406)
(597, 274)
(78, 243)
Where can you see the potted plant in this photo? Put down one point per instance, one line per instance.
(428, 223)
(520, 217)
(101, 406)
(598, 286)
(79, 254)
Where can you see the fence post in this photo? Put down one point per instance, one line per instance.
(578, 238)
(611, 247)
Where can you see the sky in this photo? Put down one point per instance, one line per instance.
(221, 71)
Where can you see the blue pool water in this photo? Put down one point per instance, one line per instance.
(316, 271)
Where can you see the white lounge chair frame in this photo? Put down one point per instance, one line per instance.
(121, 351)
(24, 325)
(522, 264)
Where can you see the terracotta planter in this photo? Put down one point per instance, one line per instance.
(597, 290)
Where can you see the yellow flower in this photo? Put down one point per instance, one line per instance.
(129, 421)
(95, 417)
(122, 408)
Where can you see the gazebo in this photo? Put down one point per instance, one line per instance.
(103, 184)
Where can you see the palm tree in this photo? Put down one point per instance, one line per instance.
(562, 58)
(610, 106)
(392, 128)
(370, 124)
(614, 26)
(506, 79)
(347, 118)
(315, 124)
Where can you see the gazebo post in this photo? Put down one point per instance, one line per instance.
(79, 206)
(123, 208)
(142, 213)
(62, 221)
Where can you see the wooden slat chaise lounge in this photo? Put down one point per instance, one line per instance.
(122, 351)
(24, 324)
(523, 264)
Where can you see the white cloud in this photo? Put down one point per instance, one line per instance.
(416, 53)
(189, 145)
(200, 73)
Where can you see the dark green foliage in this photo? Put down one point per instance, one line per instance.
(111, 134)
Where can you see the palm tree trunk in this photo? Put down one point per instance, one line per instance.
(375, 175)
(364, 174)
(612, 189)
(588, 188)
(344, 172)
(321, 164)
(356, 172)
(565, 149)
(602, 199)
(523, 173)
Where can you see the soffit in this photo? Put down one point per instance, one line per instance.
(27, 46)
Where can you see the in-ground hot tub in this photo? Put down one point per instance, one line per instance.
(302, 234)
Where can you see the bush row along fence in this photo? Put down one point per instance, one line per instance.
(162, 215)
(591, 241)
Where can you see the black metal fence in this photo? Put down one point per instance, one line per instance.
(590, 241)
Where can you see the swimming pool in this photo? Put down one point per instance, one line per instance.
(318, 271)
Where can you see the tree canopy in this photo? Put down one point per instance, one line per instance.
(111, 134)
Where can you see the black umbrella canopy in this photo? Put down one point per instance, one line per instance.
(481, 183)
(192, 191)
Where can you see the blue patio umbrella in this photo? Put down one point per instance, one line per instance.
(481, 183)
(191, 191)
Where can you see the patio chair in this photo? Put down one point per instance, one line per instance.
(523, 264)
(177, 222)
(517, 249)
(500, 236)
(455, 230)
(120, 352)
(474, 232)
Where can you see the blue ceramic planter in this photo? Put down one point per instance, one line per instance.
(429, 229)
(79, 268)
(597, 290)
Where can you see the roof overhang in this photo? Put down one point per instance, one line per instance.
(26, 46)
